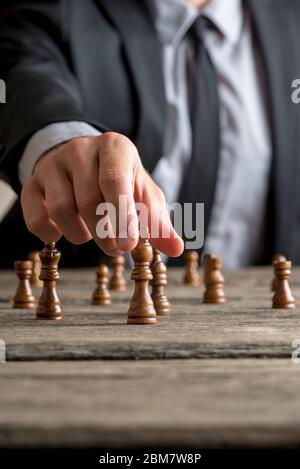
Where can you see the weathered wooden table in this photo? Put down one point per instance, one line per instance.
(207, 376)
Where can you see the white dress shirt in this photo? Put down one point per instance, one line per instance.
(236, 227)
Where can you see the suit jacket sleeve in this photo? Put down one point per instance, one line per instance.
(41, 88)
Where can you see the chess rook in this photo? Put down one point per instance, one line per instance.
(49, 306)
(117, 281)
(141, 309)
(24, 299)
(283, 297)
(101, 294)
(34, 256)
(158, 283)
(192, 275)
(214, 281)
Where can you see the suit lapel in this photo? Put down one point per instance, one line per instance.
(277, 40)
(142, 52)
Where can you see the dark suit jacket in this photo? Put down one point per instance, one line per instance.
(100, 61)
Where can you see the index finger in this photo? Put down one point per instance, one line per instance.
(117, 166)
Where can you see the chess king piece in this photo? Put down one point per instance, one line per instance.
(276, 258)
(283, 297)
(214, 282)
(101, 294)
(117, 281)
(141, 309)
(24, 298)
(158, 283)
(49, 306)
(192, 275)
(34, 256)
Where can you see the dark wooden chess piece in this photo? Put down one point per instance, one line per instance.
(158, 283)
(117, 281)
(276, 258)
(141, 309)
(283, 297)
(34, 256)
(24, 299)
(206, 266)
(192, 276)
(101, 294)
(49, 306)
(214, 292)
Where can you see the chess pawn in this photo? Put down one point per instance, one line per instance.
(141, 309)
(34, 256)
(276, 258)
(101, 294)
(192, 276)
(49, 306)
(24, 298)
(283, 297)
(158, 283)
(117, 281)
(214, 292)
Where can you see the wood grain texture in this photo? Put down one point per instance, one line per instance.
(176, 403)
(244, 392)
(246, 326)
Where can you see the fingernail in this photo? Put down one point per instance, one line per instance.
(116, 253)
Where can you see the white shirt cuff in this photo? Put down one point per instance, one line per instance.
(47, 138)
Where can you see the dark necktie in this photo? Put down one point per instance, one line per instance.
(200, 178)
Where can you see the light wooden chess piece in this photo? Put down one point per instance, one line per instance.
(117, 281)
(158, 283)
(276, 258)
(283, 297)
(24, 299)
(192, 275)
(101, 294)
(214, 282)
(141, 309)
(49, 306)
(34, 256)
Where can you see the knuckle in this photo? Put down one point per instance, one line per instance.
(87, 203)
(44, 165)
(58, 210)
(77, 149)
(112, 178)
(77, 144)
(112, 141)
